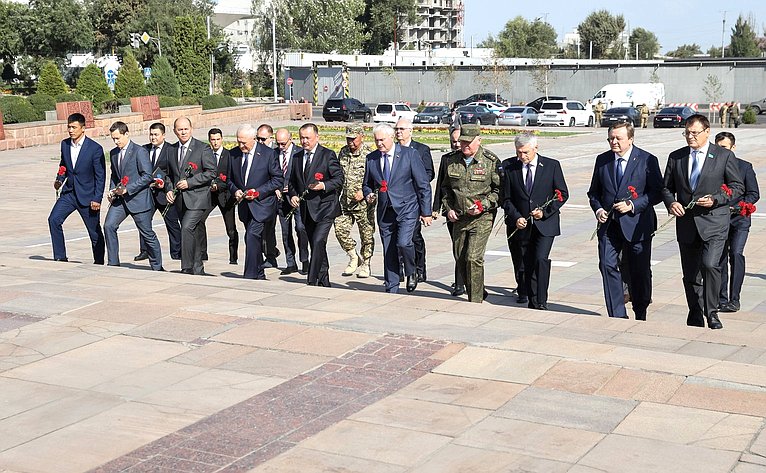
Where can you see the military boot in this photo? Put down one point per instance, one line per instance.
(364, 269)
(354, 260)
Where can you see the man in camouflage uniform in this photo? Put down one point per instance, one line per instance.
(644, 109)
(354, 208)
(470, 194)
(598, 111)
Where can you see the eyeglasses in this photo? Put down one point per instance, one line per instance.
(693, 134)
(401, 129)
(280, 144)
(261, 139)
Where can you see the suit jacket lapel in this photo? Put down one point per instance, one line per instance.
(397, 151)
(630, 167)
(684, 167)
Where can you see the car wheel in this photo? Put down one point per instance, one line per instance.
(524, 122)
(367, 117)
(757, 109)
(572, 121)
(497, 121)
(590, 122)
(440, 120)
(478, 121)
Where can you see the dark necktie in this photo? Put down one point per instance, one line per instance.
(307, 165)
(619, 172)
(154, 156)
(119, 162)
(284, 163)
(695, 174)
(181, 155)
(528, 180)
(386, 168)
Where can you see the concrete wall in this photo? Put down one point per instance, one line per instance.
(742, 81)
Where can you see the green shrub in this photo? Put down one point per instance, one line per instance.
(188, 101)
(163, 80)
(50, 81)
(16, 109)
(70, 97)
(210, 102)
(166, 101)
(92, 85)
(41, 103)
(130, 80)
(749, 116)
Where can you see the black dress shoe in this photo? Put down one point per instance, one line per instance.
(269, 263)
(401, 277)
(522, 300)
(232, 261)
(412, 283)
(713, 323)
(304, 268)
(187, 271)
(542, 307)
(160, 269)
(421, 277)
(63, 260)
(175, 257)
(458, 291)
(730, 307)
(485, 295)
(141, 256)
(289, 270)
(204, 257)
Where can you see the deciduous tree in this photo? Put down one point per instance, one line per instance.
(647, 42)
(521, 38)
(384, 19)
(686, 50)
(602, 29)
(55, 28)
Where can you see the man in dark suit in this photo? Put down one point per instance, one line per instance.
(190, 172)
(697, 182)
(397, 175)
(403, 131)
(625, 187)
(81, 179)
(286, 155)
(255, 178)
(315, 182)
(733, 253)
(533, 192)
(129, 194)
(458, 288)
(265, 136)
(159, 154)
(219, 189)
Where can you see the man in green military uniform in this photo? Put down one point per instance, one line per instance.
(354, 208)
(644, 115)
(470, 194)
(598, 111)
(733, 115)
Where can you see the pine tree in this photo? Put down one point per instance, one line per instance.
(130, 80)
(163, 81)
(743, 40)
(192, 56)
(50, 81)
(92, 85)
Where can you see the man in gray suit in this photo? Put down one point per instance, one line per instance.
(129, 194)
(190, 171)
(700, 180)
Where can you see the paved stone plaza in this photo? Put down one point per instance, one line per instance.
(113, 369)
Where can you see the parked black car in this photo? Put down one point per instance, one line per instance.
(481, 98)
(477, 114)
(434, 114)
(346, 110)
(672, 117)
(621, 115)
(538, 102)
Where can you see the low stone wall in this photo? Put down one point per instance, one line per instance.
(24, 135)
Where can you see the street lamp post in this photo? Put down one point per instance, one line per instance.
(274, 48)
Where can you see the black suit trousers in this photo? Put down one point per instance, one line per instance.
(173, 227)
(700, 265)
(230, 222)
(733, 255)
(536, 266)
(319, 266)
(288, 242)
(253, 249)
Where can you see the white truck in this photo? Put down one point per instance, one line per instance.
(626, 95)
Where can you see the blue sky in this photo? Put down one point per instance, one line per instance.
(675, 22)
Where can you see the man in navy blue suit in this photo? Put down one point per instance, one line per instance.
(625, 187)
(396, 173)
(733, 254)
(129, 194)
(286, 153)
(81, 179)
(255, 177)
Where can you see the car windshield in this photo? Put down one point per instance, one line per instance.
(552, 106)
(671, 111)
(467, 109)
(514, 110)
(384, 108)
(618, 110)
(333, 103)
(433, 110)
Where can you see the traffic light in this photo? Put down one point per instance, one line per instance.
(135, 40)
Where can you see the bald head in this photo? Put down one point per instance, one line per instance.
(403, 131)
(182, 127)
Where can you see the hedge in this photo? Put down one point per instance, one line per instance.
(41, 103)
(16, 109)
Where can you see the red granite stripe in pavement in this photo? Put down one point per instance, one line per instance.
(253, 431)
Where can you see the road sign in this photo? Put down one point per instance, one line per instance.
(111, 77)
(145, 37)
(326, 88)
(147, 72)
(289, 81)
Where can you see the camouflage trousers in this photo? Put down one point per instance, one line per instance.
(365, 220)
(469, 242)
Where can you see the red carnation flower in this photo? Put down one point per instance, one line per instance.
(124, 181)
(478, 205)
(318, 176)
(62, 170)
(193, 166)
(726, 190)
(383, 186)
(746, 209)
(222, 177)
(252, 193)
(559, 195)
(633, 194)
(159, 182)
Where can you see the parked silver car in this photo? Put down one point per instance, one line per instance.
(519, 116)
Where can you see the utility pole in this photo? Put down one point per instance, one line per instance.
(274, 48)
(723, 33)
(210, 85)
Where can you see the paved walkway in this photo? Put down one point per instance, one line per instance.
(123, 369)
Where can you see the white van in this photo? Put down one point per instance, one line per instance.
(631, 95)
